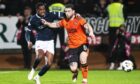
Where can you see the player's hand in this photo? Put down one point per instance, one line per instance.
(78, 15)
(44, 22)
(30, 44)
(93, 39)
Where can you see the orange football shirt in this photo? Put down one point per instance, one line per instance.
(75, 30)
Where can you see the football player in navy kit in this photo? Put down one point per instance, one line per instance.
(44, 45)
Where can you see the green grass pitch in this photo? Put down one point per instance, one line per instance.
(64, 77)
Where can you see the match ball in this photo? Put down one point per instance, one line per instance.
(127, 65)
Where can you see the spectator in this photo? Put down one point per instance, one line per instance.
(21, 24)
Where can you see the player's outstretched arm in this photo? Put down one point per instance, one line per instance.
(50, 24)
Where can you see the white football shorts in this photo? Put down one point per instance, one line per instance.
(45, 46)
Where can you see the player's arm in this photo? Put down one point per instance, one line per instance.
(50, 24)
(90, 30)
(86, 25)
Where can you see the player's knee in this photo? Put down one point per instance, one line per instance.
(73, 66)
(83, 58)
(73, 69)
(83, 61)
(49, 60)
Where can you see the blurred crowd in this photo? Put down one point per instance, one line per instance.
(84, 7)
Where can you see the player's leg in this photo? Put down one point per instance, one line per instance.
(49, 53)
(84, 65)
(73, 63)
(39, 55)
(74, 70)
(39, 50)
(45, 68)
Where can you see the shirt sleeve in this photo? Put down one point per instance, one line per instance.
(83, 21)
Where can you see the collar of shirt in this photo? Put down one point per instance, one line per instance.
(39, 16)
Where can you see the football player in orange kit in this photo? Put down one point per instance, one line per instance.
(77, 40)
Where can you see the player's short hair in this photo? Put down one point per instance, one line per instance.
(70, 6)
(39, 4)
